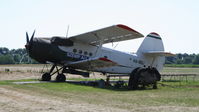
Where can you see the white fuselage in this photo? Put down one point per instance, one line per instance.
(126, 61)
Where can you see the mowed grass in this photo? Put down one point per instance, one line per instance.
(169, 94)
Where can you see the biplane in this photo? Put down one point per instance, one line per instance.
(83, 53)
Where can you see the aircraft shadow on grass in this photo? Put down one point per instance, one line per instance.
(113, 85)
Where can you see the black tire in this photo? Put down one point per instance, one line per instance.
(158, 75)
(46, 77)
(137, 77)
(60, 78)
(132, 84)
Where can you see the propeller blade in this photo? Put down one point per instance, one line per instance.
(27, 37)
(31, 39)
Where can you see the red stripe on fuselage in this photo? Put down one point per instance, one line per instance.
(105, 59)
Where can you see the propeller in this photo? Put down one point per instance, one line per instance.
(27, 37)
(29, 42)
(31, 39)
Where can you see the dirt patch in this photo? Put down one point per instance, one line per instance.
(12, 100)
(166, 109)
(19, 100)
(8, 72)
(17, 72)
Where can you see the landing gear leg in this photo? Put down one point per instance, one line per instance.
(60, 77)
(155, 85)
(47, 76)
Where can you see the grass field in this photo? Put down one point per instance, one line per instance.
(182, 65)
(170, 97)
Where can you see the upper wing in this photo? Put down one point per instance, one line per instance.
(92, 64)
(158, 53)
(113, 33)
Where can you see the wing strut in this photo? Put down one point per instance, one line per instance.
(100, 44)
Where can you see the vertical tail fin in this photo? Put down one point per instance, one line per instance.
(152, 43)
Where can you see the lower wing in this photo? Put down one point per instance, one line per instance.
(92, 64)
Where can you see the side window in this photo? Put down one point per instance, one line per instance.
(80, 51)
(141, 62)
(90, 54)
(85, 53)
(135, 61)
(74, 50)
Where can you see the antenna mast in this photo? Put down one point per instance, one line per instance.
(67, 31)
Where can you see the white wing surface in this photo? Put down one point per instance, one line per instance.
(110, 34)
(92, 64)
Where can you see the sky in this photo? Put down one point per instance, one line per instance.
(176, 21)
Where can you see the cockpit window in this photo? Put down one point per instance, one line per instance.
(61, 41)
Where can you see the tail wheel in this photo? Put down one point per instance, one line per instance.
(46, 77)
(61, 78)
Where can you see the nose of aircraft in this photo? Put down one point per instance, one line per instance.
(38, 48)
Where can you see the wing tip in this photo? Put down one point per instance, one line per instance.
(156, 34)
(129, 29)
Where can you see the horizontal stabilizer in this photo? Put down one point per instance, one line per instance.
(92, 64)
(158, 53)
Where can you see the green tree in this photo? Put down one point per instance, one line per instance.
(187, 60)
(4, 50)
(6, 59)
(196, 59)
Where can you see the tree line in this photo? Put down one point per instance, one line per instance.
(20, 56)
(15, 56)
(183, 59)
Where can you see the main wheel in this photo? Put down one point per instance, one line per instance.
(46, 77)
(61, 78)
(158, 75)
(133, 83)
(149, 76)
(137, 77)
